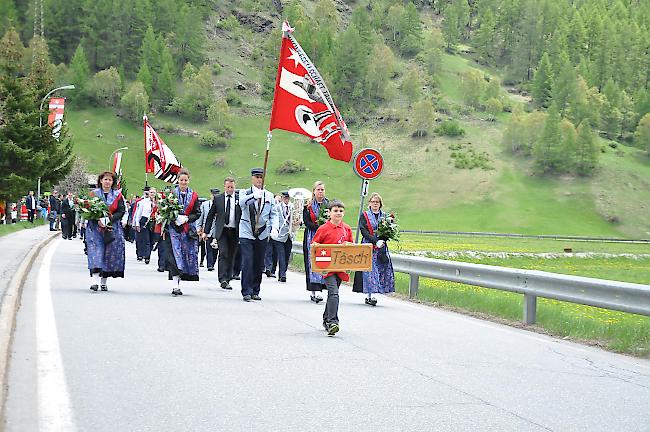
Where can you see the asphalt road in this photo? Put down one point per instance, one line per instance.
(137, 359)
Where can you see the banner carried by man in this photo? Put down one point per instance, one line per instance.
(159, 159)
(303, 104)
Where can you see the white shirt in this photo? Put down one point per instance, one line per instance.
(145, 207)
(230, 217)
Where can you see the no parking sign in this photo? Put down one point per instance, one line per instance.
(368, 164)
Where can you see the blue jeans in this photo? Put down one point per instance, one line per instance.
(252, 260)
(53, 216)
(331, 314)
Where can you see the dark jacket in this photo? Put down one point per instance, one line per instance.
(55, 204)
(67, 209)
(217, 215)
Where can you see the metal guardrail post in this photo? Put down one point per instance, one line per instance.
(413, 285)
(530, 309)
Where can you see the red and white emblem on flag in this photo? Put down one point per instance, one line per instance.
(302, 103)
(323, 257)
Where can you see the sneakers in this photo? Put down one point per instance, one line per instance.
(282, 279)
(247, 298)
(256, 297)
(104, 288)
(332, 329)
(146, 260)
(177, 292)
(371, 301)
(94, 288)
(140, 258)
(316, 298)
(226, 285)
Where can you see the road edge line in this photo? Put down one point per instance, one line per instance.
(8, 311)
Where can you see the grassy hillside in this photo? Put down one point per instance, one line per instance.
(419, 181)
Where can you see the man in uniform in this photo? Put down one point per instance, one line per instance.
(282, 242)
(259, 219)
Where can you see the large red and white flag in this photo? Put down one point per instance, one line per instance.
(303, 104)
(159, 159)
(55, 117)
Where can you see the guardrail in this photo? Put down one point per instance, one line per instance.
(531, 236)
(620, 296)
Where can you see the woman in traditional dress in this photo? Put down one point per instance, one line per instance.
(381, 279)
(105, 237)
(315, 281)
(181, 237)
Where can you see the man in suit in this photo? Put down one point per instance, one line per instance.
(67, 215)
(55, 209)
(206, 241)
(30, 203)
(259, 219)
(222, 223)
(282, 242)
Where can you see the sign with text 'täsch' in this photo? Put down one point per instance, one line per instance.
(326, 258)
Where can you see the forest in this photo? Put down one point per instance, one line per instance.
(582, 67)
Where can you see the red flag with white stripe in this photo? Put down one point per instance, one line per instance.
(159, 159)
(303, 104)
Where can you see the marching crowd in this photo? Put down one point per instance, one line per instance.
(245, 233)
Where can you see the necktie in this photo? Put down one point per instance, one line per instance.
(228, 209)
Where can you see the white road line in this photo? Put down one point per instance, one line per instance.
(54, 411)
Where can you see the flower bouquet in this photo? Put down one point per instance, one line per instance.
(168, 208)
(323, 215)
(94, 209)
(387, 228)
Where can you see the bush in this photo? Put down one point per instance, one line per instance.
(233, 99)
(290, 166)
(450, 128)
(216, 69)
(219, 162)
(212, 140)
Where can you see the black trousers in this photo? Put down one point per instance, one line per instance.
(252, 260)
(30, 215)
(228, 245)
(283, 252)
(66, 226)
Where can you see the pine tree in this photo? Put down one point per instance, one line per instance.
(565, 87)
(543, 83)
(79, 74)
(450, 30)
(642, 134)
(145, 77)
(62, 20)
(150, 54)
(189, 41)
(41, 74)
(411, 31)
(394, 20)
(27, 150)
(547, 151)
(484, 37)
(8, 15)
(166, 88)
(350, 62)
(586, 150)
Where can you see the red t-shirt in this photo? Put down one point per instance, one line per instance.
(328, 233)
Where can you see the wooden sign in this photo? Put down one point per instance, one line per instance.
(326, 258)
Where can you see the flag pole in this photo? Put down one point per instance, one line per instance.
(266, 160)
(362, 193)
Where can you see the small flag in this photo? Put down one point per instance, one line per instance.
(303, 104)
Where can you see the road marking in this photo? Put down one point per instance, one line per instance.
(54, 411)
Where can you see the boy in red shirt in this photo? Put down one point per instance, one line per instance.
(334, 231)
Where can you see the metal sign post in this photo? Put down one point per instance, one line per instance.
(368, 164)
